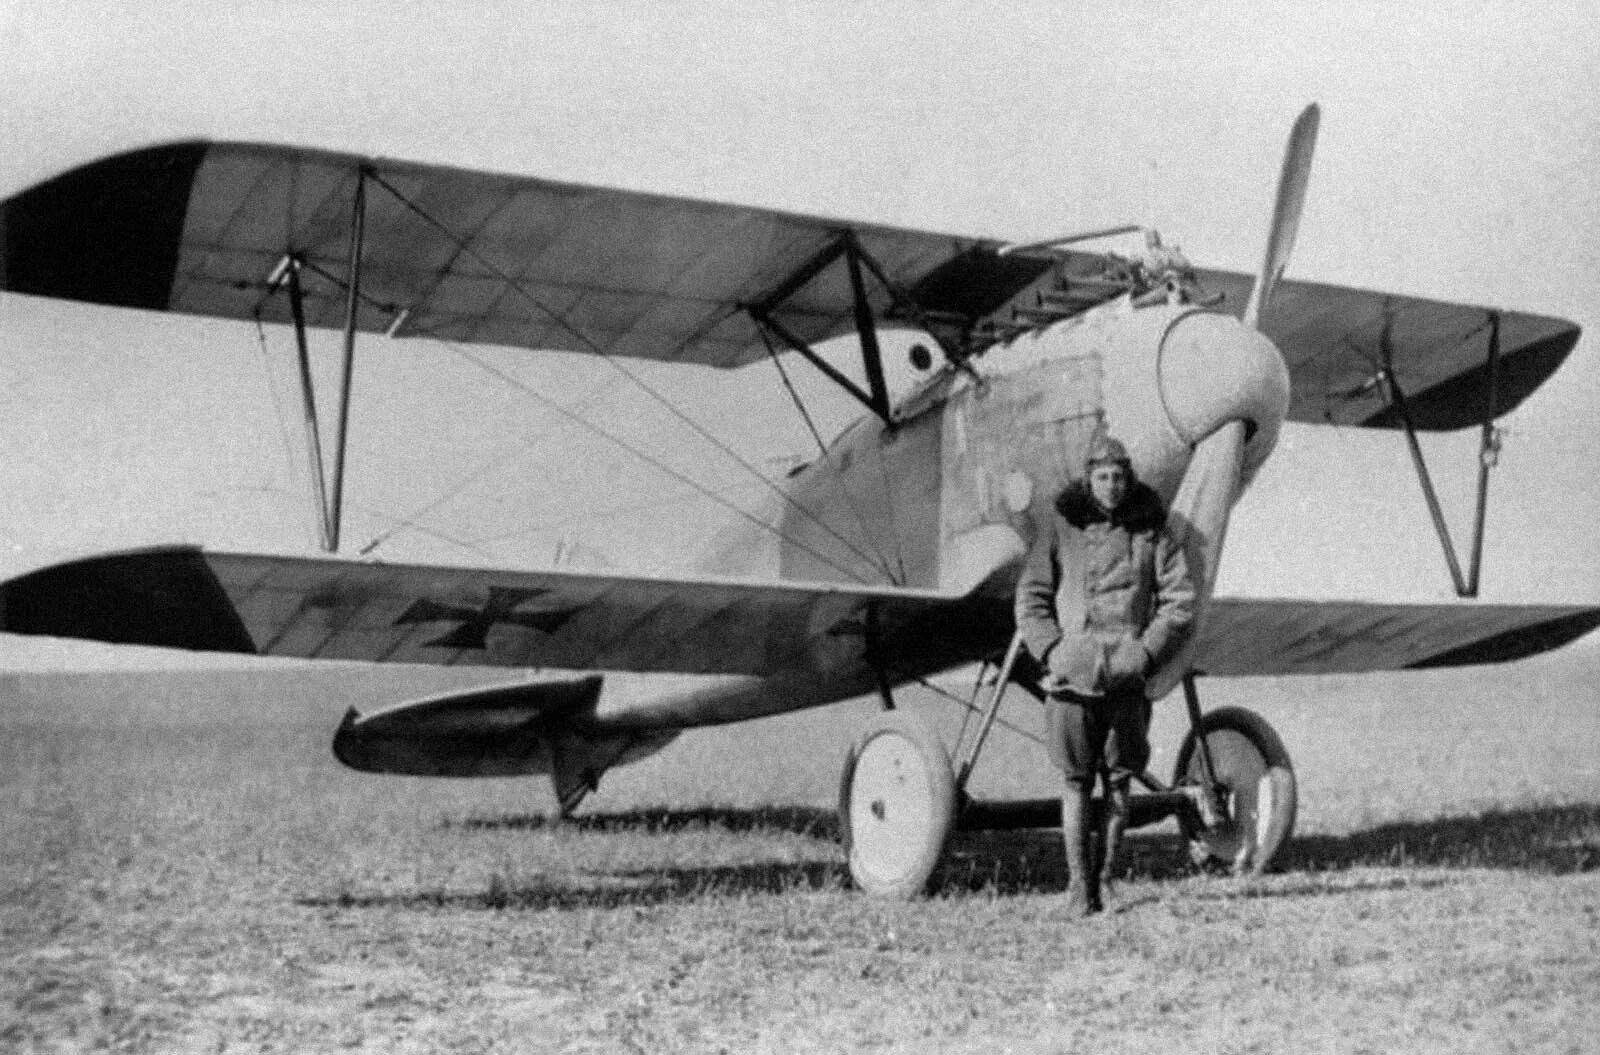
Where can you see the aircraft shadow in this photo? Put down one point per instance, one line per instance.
(800, 820)
(1561, 839)
(632, 888)
(1552, 839)
(1545, 839)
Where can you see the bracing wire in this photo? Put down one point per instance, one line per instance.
(277, 403)
(827, 455)
(657, 463)
(612, 361)
(412, 519)
(470, 545)
(406, 523)
(970, 706)
(517, 385)
(593, 513)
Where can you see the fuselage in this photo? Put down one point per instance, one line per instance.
(950, 490)
(948, 495)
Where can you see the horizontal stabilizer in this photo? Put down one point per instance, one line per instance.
(504, 731)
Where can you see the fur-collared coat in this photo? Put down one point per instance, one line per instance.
(1104, 600)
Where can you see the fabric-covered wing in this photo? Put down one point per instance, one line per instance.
(1332, 339)
(330, 608)
(466, 256)
(1271, 637)
(469, 256)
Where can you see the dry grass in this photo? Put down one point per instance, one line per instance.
(186, 868)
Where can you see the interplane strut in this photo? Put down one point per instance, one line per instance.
(287, 275)
(1466, 585)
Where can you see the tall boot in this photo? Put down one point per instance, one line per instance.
(1116, 822)
(1083, 883)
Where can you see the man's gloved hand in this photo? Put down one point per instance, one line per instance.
(1128, 666)
(1074, 661)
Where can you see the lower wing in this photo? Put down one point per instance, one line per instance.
(332, 608)
(805, 643)
(328, 608)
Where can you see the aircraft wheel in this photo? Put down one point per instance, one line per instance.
(1256, 791)
(897, 801)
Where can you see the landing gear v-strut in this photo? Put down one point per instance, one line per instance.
(1233, 792)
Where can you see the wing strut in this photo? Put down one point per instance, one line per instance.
(330, 502)
(1488, 454)
(358, 225)
(308, 398)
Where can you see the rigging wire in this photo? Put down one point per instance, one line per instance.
(516, 284)
(585, 399)
(517, 385)
(489, 463)
(573, 416)
(838, 476)
(284, 430)
(410, 522)
(470, 545)
(412, 519)
(602, 513)
(972, 707)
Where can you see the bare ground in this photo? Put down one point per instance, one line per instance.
(184, 867)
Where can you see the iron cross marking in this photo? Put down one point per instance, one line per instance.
(503, 606)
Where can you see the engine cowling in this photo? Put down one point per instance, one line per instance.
(1173, 375)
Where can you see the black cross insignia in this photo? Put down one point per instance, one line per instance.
(475, 622)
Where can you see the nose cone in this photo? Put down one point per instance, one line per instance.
(1213, 369)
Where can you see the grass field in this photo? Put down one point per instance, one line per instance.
(183, 866)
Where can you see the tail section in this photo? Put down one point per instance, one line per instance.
(509, 730)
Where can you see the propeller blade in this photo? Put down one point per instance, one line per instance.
(1199, 523)
(1292, 184)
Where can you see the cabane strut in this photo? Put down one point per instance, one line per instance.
(876, 396)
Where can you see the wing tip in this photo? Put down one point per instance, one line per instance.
(1458, 401)
(1520, 643)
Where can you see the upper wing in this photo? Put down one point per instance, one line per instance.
(478, 257)
(1273, 637)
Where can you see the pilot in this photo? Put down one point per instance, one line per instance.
(1105, 598)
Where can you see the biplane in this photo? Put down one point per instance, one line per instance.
(890, 557)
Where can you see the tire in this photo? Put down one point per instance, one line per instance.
(897, 802)
(1256, 785)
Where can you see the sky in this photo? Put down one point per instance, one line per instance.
(1459, 158)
